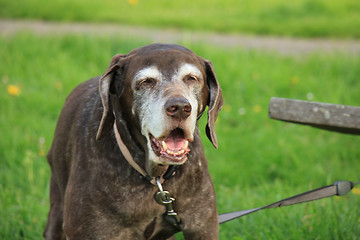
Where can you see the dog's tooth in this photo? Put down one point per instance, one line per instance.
(164, 146)
(170, 152)
(186, 145)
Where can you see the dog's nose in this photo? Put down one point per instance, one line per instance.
(178, 107)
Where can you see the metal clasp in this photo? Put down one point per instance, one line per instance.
(164, 198)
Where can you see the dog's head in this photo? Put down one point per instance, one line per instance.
(160, 90)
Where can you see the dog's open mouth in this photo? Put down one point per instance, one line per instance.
(174, 148)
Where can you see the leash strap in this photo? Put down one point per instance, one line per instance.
(339, 188)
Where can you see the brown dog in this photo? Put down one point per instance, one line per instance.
(154, 95)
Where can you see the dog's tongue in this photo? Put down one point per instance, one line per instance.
(176, 140)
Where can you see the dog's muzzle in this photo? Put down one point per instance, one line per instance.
(174, 146)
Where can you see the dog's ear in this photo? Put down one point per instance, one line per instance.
(105, 84)
(215, 102)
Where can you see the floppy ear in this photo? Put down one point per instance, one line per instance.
(215, 102)
(108, 117)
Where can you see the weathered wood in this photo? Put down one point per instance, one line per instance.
(333, 117)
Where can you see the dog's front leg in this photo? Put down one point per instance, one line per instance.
(202, 228)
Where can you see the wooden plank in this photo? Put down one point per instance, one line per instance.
(333, 117)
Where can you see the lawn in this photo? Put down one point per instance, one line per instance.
(305, 18)
(259, 160)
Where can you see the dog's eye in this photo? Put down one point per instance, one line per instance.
(147, 82)
(191, 78)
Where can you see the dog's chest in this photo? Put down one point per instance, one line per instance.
(144, 215)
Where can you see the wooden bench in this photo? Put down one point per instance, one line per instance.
(333, 117)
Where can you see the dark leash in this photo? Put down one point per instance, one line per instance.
(339, 188)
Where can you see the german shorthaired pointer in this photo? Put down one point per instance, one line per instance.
(122, 137)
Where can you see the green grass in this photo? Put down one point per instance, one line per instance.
(259, 160)
(305, 18)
